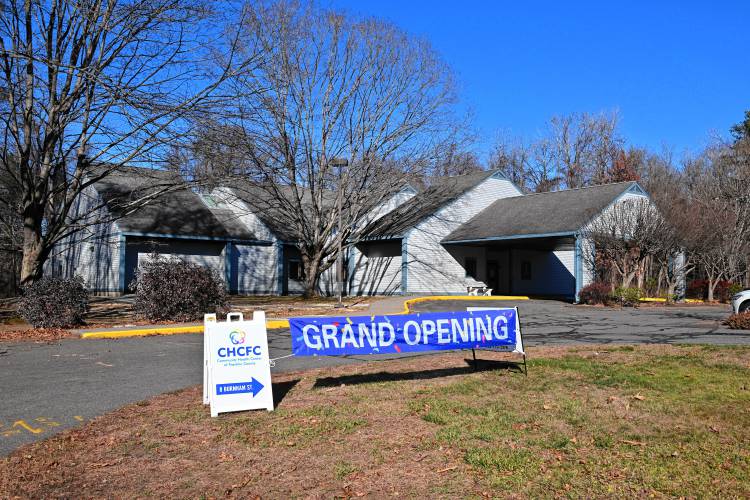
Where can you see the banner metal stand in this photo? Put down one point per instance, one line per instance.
(519, 342)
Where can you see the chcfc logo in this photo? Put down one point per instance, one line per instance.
(237, 337)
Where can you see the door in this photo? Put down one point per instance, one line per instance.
(493, 275)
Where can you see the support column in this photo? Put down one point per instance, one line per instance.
(404, 267)
(123, 249)
(578, 267)
(228, 249)
(280, 268)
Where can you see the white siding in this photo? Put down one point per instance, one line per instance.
(431, 267)
(377, 274)
(226, 199)
(552, 272)
(92, 253)
(586, 259)
(587, 247)
(257, 265)
(390, 204)
(257, 269)
(374, 274)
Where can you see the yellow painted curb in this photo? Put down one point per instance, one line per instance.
(278, 323)
(429, 298)
(142, 332)
(660, 299)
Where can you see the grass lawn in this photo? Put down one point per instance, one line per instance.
(667, 421)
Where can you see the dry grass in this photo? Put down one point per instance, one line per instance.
(586, 422)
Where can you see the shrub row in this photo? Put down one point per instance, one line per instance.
(698, 289)
(601, 293)
(739, 321)
(168, 289)
(54, 302)
(165, 290)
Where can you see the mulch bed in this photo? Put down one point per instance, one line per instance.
(38, 335)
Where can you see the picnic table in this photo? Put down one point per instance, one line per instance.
(478, 289)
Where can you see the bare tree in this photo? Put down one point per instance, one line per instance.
(89, 86)
(452, 159)
(513, 157)
(719, 181)
(334, 87)
(11, 230)
(584, 146)
(624, 237)
(575, 150)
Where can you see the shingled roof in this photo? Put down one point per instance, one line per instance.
(441, 192)
(271, 209)
(274, 211)
(175, 210)
(540, 214)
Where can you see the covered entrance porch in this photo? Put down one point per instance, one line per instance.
(544, 265)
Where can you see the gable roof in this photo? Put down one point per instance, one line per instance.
(270, 209)
(541, 214)
(274, 212)
(175, 210)
(441, 192)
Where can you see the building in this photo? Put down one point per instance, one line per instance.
(471, 230)
(175, 222)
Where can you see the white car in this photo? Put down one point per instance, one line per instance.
(741, 302)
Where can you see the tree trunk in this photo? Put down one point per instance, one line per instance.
(34, 255)
(671, 286)
(312, 275)
(711, 287)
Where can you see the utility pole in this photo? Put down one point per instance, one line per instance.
(341, 163)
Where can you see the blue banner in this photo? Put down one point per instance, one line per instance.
(341, 335)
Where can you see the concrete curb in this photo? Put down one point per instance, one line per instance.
(271, 323)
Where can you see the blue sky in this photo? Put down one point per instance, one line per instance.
(676, 71)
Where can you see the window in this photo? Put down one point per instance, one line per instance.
(525, 270)
(296, 271)
(208, 200)
(470, 264)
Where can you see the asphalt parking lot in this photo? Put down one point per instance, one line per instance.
(46, 388)
(547, 322)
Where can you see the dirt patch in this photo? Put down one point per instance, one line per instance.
(589, 421)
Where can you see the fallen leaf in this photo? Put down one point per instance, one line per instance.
(632, 443)
(454, 467)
